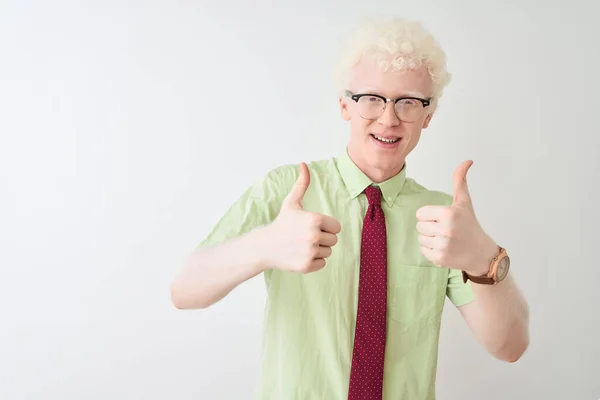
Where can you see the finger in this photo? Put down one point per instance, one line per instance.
(431, 213)
(429, 228)
(427, 241)
(430, 254)
(323, 252)
(294, 198)
(327, 239)
(432, 242)
(329, 224)
(317, 264)
(461, 190)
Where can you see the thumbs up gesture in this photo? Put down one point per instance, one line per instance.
(300, 240)
(450, 236)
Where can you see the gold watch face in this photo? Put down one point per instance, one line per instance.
(503, 267)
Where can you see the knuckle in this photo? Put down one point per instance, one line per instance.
(313, 238)
(313, 252)
(316, 219)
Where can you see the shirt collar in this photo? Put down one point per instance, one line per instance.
(356, 181)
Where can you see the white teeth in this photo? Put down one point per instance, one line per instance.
(386, 140)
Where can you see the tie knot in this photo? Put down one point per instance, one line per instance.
(374, 195)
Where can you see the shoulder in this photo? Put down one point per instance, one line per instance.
(422, 195)
(282, 178)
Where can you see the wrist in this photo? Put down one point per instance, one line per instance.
(259, 247)
(481, 266)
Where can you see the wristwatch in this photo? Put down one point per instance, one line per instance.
(499, 266)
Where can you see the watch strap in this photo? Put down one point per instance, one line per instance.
(484, 280)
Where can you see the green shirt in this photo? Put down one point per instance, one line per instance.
(310, 318)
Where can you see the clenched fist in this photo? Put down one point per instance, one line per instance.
(299, 240)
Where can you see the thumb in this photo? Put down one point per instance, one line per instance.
(461, 190)
(294, 198)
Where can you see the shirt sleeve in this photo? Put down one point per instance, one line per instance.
(458, 292)
(257, 206)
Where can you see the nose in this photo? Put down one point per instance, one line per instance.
(389, 117)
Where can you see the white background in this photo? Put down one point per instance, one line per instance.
(128, 128)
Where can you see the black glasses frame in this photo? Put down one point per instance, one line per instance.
(356, 97)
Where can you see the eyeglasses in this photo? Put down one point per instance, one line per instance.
(372, 106)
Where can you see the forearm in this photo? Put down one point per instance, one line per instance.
(500, 319)
(211, 273)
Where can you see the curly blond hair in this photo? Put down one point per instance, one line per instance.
(397, 44)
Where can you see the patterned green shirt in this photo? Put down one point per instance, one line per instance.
(310, 318)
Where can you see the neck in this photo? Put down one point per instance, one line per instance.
(377, 175)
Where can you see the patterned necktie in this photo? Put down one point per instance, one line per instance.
(366, 377)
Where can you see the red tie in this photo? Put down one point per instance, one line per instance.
(366, 377)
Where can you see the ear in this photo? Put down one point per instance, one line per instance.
(432, 109)
(344, 109)
(427, 120)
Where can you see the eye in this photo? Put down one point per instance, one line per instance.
(408, 102)
(371, 101)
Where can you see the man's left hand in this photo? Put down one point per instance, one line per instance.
(450, 236)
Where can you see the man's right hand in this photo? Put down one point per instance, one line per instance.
(299, 240)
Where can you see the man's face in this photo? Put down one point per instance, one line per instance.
(370, 128)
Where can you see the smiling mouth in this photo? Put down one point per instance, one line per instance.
(386, 140)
